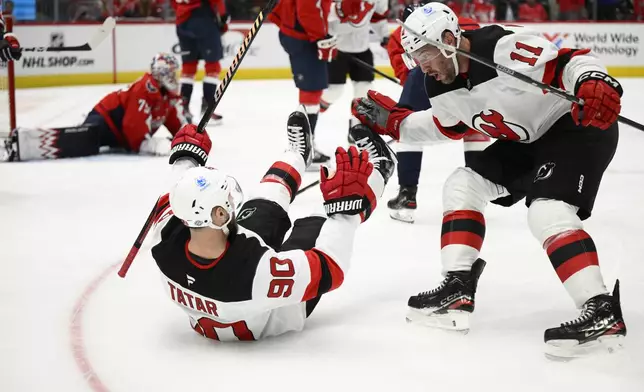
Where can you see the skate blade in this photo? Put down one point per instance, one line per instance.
(315, 166)
(568, 350)
(402, 215)
(453, 320)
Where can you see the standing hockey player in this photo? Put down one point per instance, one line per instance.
(234, 275)
(351, 21)
(304, 35)
(200, 24)
(124, 120)
(414, 97)
(552, 154)
(9, 45)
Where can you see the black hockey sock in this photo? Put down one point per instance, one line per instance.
(209, 90)
(313, 120)
(409, 163)
(186, 93)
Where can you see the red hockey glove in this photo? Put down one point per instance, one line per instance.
(327, 48)
(345, 190)
(190, 144)
(10, 48)
(380, 113)
(601, 94)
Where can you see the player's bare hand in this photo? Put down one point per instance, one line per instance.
(602, 103)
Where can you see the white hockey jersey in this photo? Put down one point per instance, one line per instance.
(497, 104)
(252, 291)
(353, 32)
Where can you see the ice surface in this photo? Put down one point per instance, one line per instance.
(64, 223)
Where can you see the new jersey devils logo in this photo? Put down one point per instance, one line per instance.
(353, 11)
(494, 125)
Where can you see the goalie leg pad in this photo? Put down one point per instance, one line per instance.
(42, 143)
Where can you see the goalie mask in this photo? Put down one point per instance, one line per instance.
(199, 191)
(164, 68)
(431, 21)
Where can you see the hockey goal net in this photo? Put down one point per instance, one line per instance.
(7, 91)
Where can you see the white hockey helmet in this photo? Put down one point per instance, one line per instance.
(164, 68)
(431, 21)
(199, 191)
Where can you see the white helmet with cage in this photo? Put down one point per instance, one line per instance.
(164, 68)
(201, 189)
(431, 21)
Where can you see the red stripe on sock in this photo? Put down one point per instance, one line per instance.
(290, 170)
(462, 238)
(576, 264)
(464, 214)
(562, 239)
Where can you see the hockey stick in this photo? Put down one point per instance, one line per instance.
(252, 33)
(243, 49)
(524, 78)
(314, 183)
(98, 37)
(138, 242)
(371, 68)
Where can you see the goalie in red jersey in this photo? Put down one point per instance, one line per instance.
(124, 120)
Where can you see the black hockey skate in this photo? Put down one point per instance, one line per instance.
(599, 328)
(403, 206)
(450, 304)
(299, 135)
(380, 154)
(319, 159)
(215, 119)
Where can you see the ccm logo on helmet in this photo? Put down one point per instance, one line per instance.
(190, 148)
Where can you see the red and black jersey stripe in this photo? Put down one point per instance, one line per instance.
(455, 132)
(463, 227)
(570, 253)
(553, 73)
(326, 275)
(285, 174)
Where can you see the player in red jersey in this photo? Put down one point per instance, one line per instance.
(124, 120)
(304, 35)
(200, 24)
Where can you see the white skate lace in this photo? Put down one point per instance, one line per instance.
(587, 313)
(366, 144)
(296, 139)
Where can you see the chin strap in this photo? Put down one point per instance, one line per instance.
(452, 55)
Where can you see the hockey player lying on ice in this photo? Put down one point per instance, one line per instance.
(552, 155)
(123, 120)
(233, 274)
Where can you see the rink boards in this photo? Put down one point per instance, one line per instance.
(127, 52)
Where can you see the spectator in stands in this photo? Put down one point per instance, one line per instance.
(481, 11)
(456, 6)
(571, 10)
(532, 11)
(638, 9)
(506, 10)
(607, 9)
